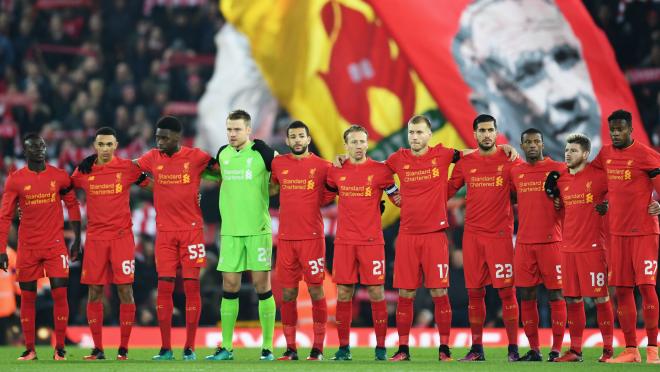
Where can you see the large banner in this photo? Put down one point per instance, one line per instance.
(531, 63)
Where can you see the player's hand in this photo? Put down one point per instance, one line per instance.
(557, 203)
(550, 185)
(654, 208)
(382, 207)
(396, 199)
(76, 251)
(509, 151)
(339, 160)
(19, 211)
(4, 262)
(602, 207)
(86, 164)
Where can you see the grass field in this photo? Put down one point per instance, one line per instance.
(247, 360)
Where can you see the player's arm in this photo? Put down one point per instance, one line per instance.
(73, 207)
(456, 181)
(266, 152)
(7, 210)
(85, 166)
(393, 194)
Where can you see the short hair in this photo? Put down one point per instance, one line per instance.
(297, 125)
(483, 118)
(30, 136)
(581, 140)
(620, 115)
(352, 129)
(417, 119)
(169, 122)
(240, 115)
(530, 131)
(106, 131)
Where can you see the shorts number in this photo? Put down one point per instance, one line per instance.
(558, 270)
(261, 255)
(444, 270)
(65, 261)
(317, 265)
(503, 271)
(378, 267)
(650, 267)
(597, 279)
(196, 251)
(128, 267)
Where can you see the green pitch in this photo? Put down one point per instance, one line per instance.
(248, 360)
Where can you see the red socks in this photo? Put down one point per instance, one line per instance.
(404, 318)
(28, 301)
(379, 317)
(530, 320)
(320, 318)
(510, 313)
(126, 321)
(651, 312)
(605, 318)
(165, 306)
(193, 310)
(343, 319)
(627, 313)
(289, 313)
(442, 312)
(576, 323)
(95, 321)
(558, 318)
(60, 314)
(476, 313)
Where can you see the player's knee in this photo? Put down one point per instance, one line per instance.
(555, 295)
(289, 294)
(28, 286)
(573, 300)
(59, 282)
(125, 293)
(527, 293)
(647, 291)
(409, 293)
(344, 292)
(601, 300)
(506, 293)
(95, 293)
(316, 292)
(376, 292)
(436, 292)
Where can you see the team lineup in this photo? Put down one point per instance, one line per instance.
(585, 229)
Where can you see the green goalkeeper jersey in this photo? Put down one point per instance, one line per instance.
(244, 190)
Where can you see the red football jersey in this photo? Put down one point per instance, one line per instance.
(538, 220)
(584, 228)
(108, 188)
(423, 188)
(38, 196)
(629, 187)
(360, 188)
(302, 192)
(488, 200)
(176, 187)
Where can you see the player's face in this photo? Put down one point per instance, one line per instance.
(298, 140)
(105, 146)
(35, 150)
(418, 136)
(238, 133)
(575, 156)
(167, 141)
(532, 146)
(485, 135)
(356, 145)
(620, 131)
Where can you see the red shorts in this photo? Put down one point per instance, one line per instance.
(183, 249)
(535, 264)
(487, 261)
(366, 260)
(418, 254)
(109, 261)
(634, 260)
(33, 264)
(297, 259)
(584, 274)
